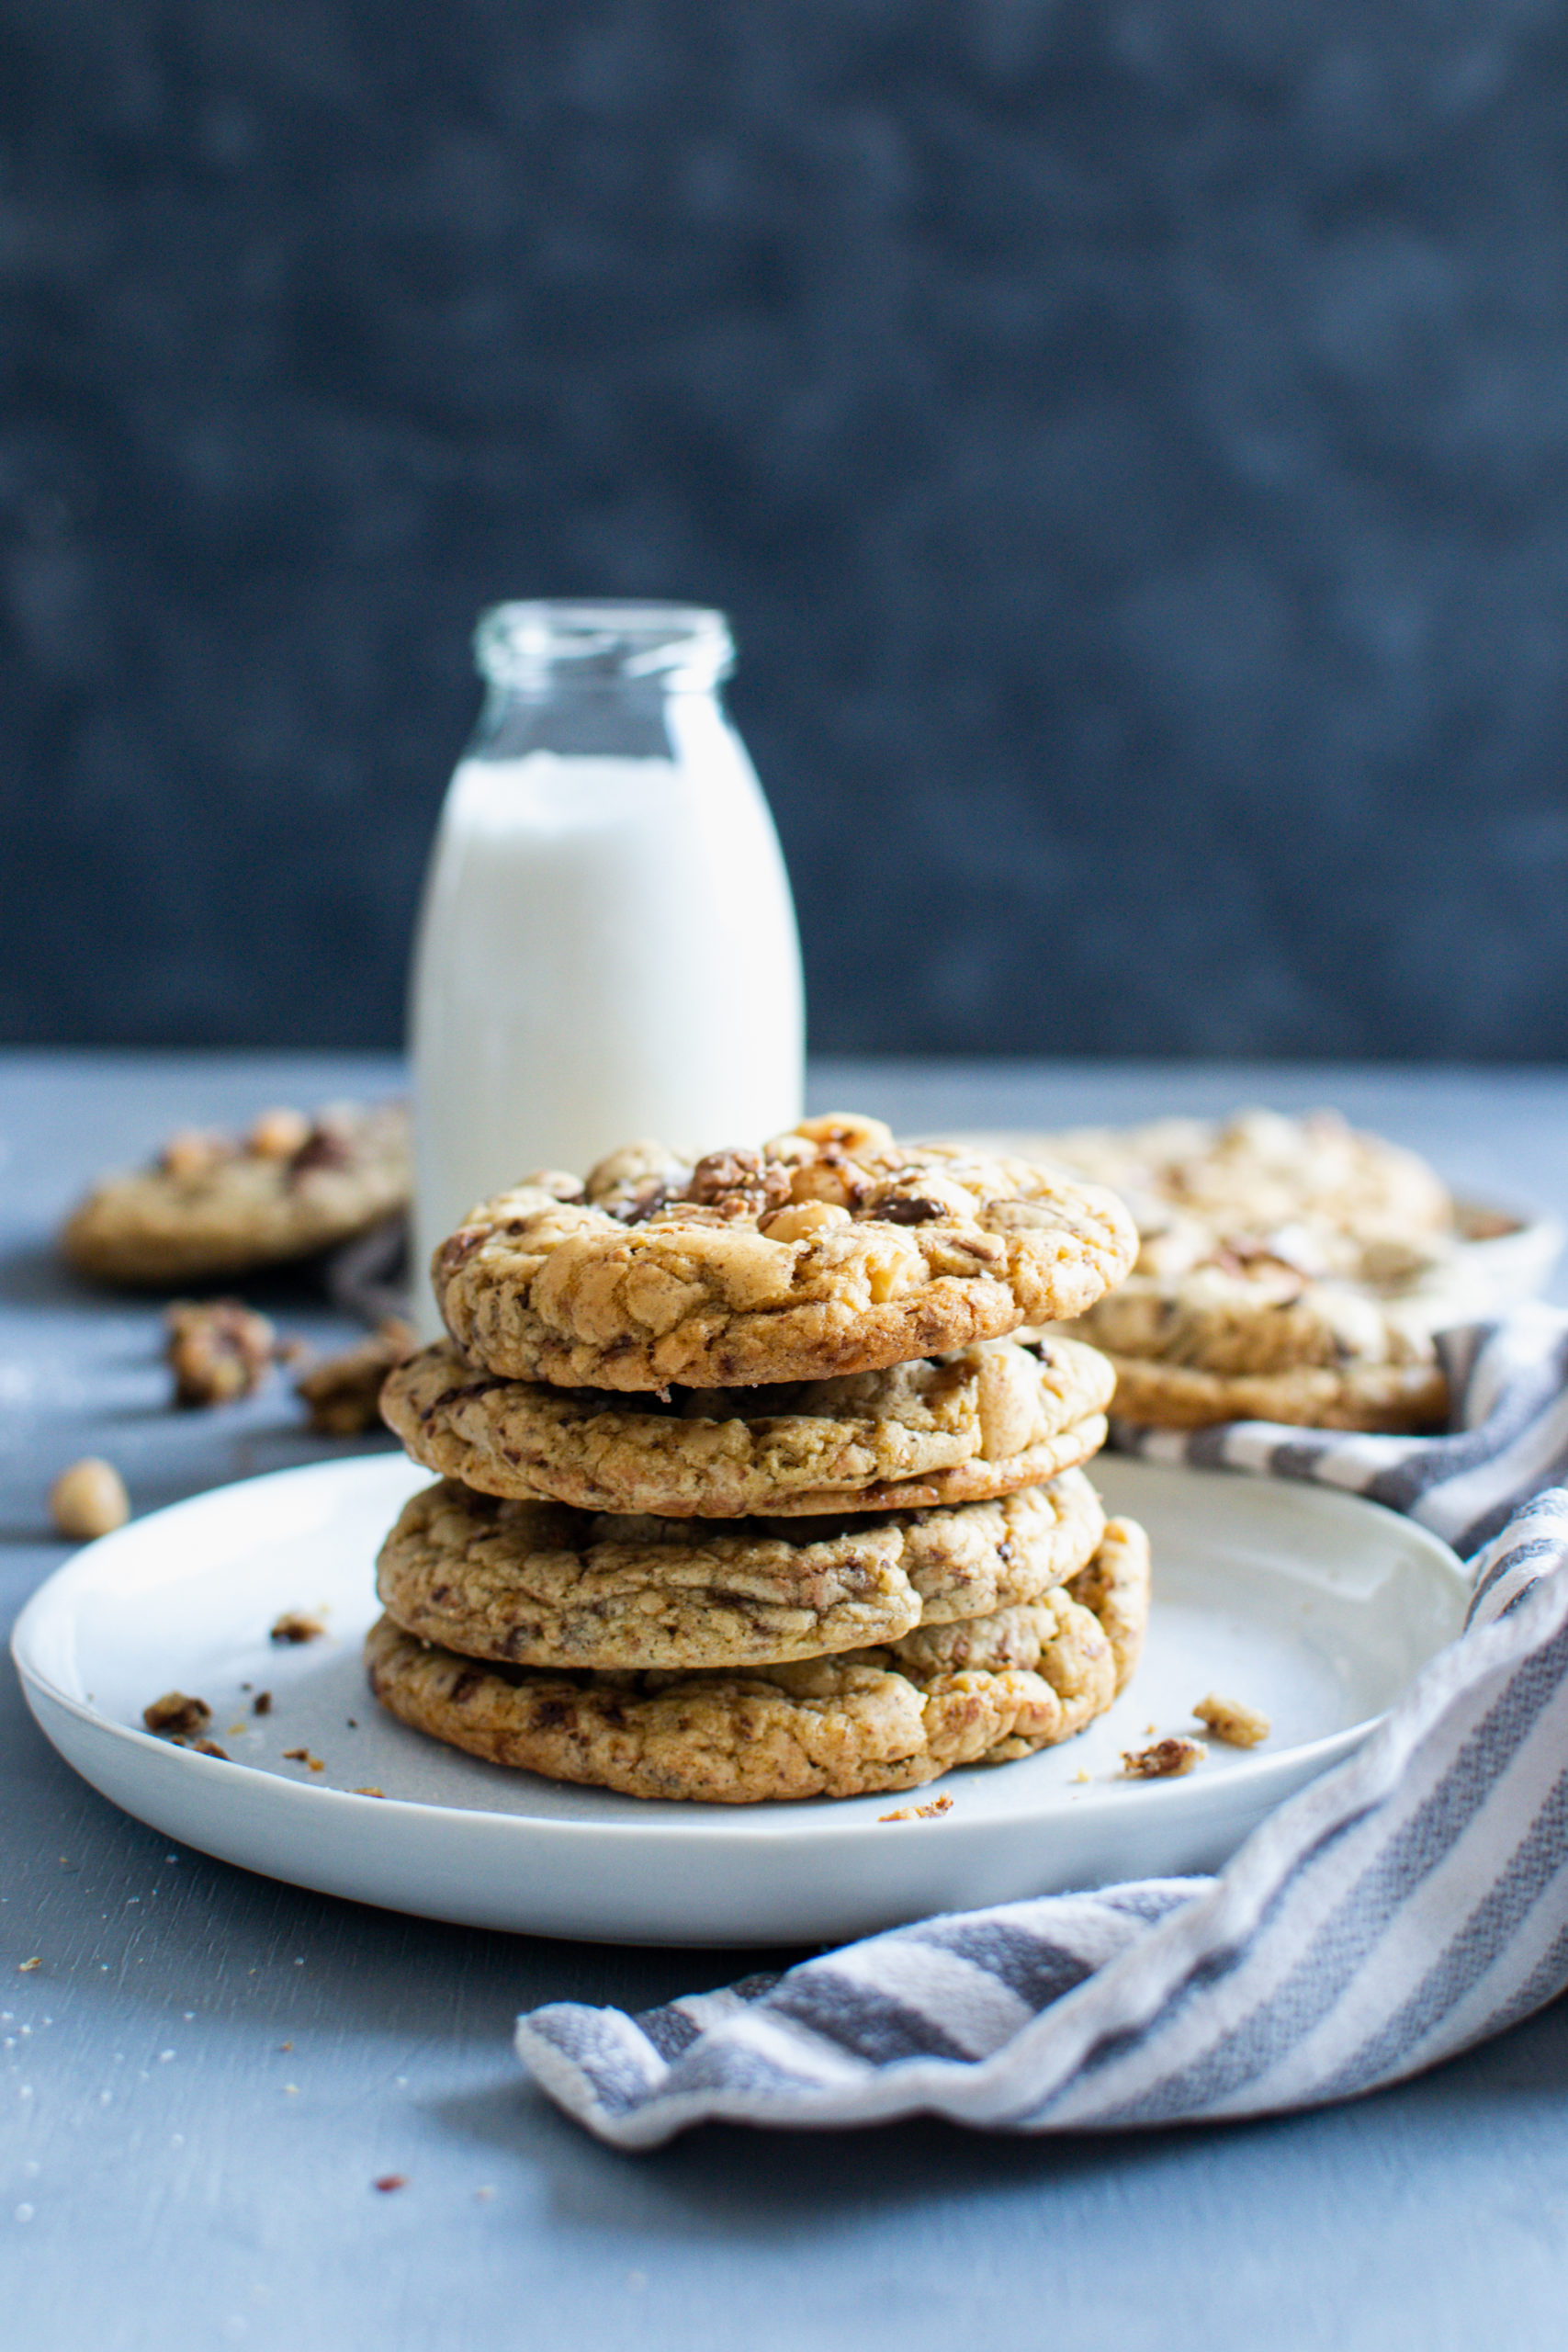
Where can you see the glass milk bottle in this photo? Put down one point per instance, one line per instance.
(608, 947)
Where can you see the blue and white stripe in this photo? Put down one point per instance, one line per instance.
(1394, 1912)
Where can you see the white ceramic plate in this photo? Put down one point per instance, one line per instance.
(1315, 1606)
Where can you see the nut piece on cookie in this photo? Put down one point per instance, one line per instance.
(831, 1250)
(218, 1351)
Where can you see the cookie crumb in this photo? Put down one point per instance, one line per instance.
(919, 1812)
(1082, 1777)
(342, 1393)
(262, 1703)
(89, 1500)
(209, 1748)
(303, 1756)
(179, 1717)
(295, 1626)
(25, 1967)
(1165, 1760)
(1229, 1721)
(369, 1791)
(391, 2180)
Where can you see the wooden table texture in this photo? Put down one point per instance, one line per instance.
(208, 2073)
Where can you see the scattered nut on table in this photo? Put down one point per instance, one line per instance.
(89, 1500)
(1228, 1720)
(1165, 1760)
(217, 1350)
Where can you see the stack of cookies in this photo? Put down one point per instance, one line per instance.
(747, 1490)
(1290, 1269)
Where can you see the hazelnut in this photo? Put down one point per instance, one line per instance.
(89, 1500)
(832, 1177)
(848, 1130)
(278, 1134)
(191, 1153)
(801, 1221)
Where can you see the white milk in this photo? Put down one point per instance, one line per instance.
(607, 951)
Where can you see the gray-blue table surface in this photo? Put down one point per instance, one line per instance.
(208, 2073)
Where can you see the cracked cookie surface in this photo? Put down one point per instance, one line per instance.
(833, 1250)
(215, 1205)
(542, 1584)
(1262, 1169)
(839, 1726)
(983, 1423)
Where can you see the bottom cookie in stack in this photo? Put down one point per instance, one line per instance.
(741, 1661)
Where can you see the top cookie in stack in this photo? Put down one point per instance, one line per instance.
(833, 1250)
(748, 1493)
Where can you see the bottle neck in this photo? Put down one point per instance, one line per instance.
(591, 718)
(614, 679)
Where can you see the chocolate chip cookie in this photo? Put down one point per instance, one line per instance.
(541, 1584)
(212, 1206)
(1249, 1336)
(847, 1726)
(955, 1429)
(832, 1250)
(1259, 1170)
(1397, 1400)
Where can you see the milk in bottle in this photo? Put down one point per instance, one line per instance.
(608, 947)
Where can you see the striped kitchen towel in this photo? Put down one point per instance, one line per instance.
(1399, 1910)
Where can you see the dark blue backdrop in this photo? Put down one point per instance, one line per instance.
(1129, 435)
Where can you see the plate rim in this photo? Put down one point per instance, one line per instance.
(703, 1827)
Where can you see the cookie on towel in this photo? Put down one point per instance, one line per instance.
(1248, 1335)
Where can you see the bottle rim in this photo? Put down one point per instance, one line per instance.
(526, 642)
